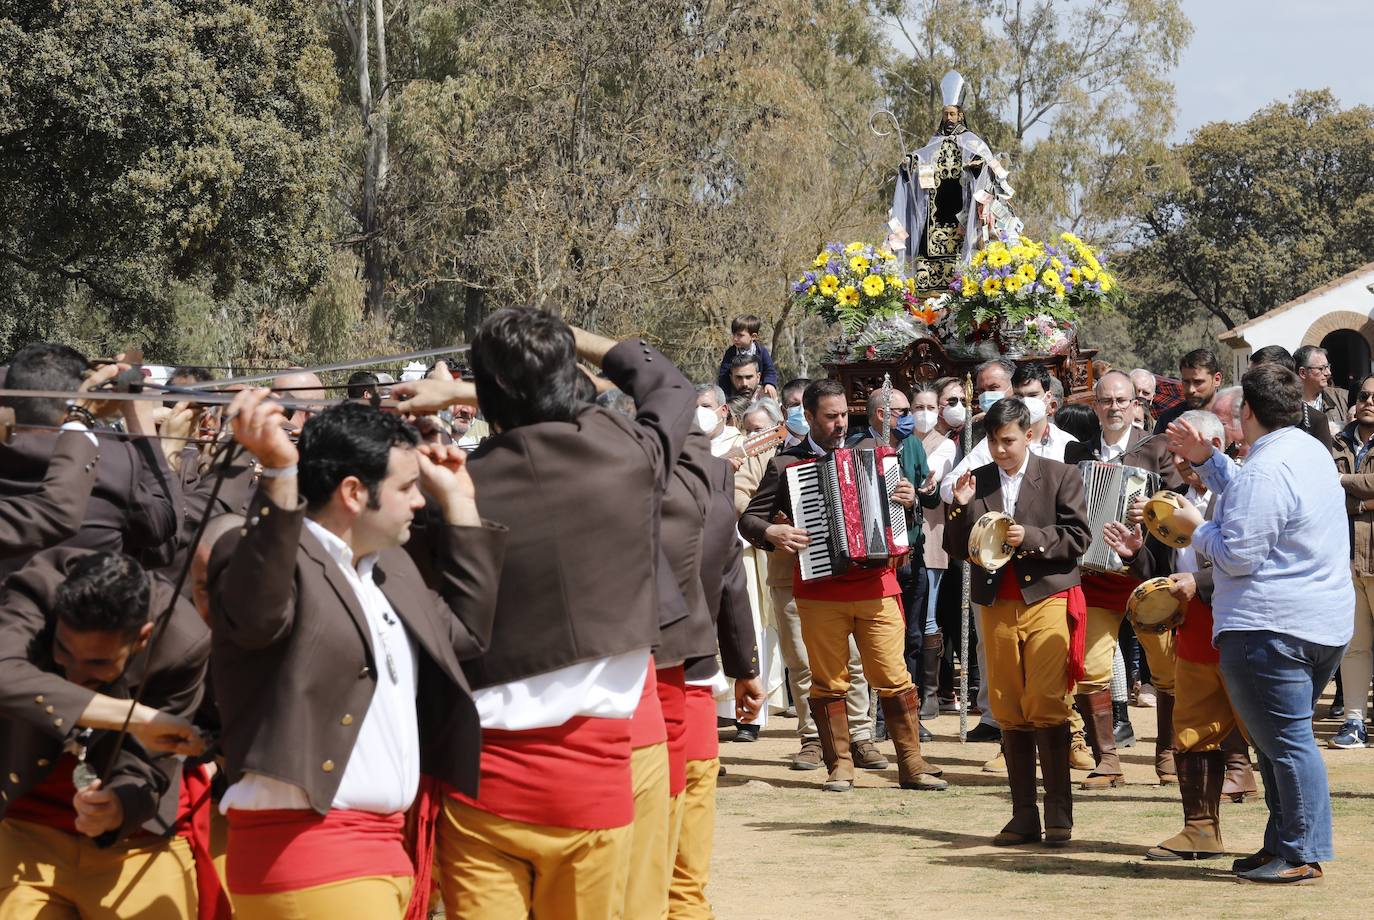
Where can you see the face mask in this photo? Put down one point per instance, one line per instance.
(1037, 408)
(796, 422)
(955, 416)
(988, 398)
(925, 419)
(707, 419)
(904, 427)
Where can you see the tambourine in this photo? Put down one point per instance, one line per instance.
(987, 542)
(1162, 519)
(1151, 608)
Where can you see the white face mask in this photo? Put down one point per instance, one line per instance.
(707, 419)
(954, 416)
(1037, 408)
(925, 419)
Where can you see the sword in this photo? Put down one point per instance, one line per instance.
(328, 368)
(887, 409)
(966, 443)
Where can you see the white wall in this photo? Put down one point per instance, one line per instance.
(1289, 327)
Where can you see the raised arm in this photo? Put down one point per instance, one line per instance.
(45, 518)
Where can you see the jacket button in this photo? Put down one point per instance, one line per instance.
(38, 698)
(43, 761)
(1027, 578)
(57, 723)
(327, 766)
(14, 777)
(49, 710)
(365, 673)
(1042, 549)
(346, 720)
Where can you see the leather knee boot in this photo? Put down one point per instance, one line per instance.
(1097, 726)
(832, 728)
(1239, 784)
(1053, 745)
(1018, 747)
(913, 771)
(932, 647)
(1164, 740)
(1200, 775)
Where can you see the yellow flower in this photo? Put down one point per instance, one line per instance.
(1027, 272)
(1107, 283)
(999, 258)
(991, 286)
(1026, 241)
(1076, 276)
(886, 256)
(859, 265)
(811, 289)
(1020, 253)
(873, 285)
(978, 258)
(1071, 239)
(967, 286)
(821, 260)
(848, 296)
(1050, 278)
(1056, 264)
(829, 285)
(1089, 274)
(910, 285)
(853, 248)
(1013, 284)
(893, 281)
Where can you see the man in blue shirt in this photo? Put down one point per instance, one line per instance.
(1281, 606)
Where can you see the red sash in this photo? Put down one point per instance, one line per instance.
(646, 725)
(1193, 641)
(572, 775)
(672, 696)
(287, 849)
(702, 740)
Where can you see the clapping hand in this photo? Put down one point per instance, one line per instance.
(1124, 541)
(1188, 442)
(964, 488)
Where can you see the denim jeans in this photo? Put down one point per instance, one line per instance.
(1274, 681)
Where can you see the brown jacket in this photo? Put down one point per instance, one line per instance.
(30, 522)
(583, 501)
(40, 707)
(1049, 507)
(135, 504)
(681, 534)
(724, 584)
(1147, 452)
(1358, 482)
(293, 667)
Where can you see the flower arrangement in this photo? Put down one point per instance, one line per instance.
(854, 284)
(1030, 293)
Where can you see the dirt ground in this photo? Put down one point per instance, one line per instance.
(784, 849)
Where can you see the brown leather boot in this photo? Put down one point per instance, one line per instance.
(1240, 775)
(932, 647)
(913, 772)
(832, 727)
(1097, 726)
(1053, 745)
(1199, 782)
(1164, 740)
(1024, 827)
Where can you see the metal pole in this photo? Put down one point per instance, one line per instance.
(966, 442)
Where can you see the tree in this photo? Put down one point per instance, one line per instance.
(1260, 212)
(1070, 89)
(150, 143)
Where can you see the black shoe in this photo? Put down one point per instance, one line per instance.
(747, 733)
(985, 732)
(924, 733)
(1337, 713)
(1122, 730)
(1251, 862)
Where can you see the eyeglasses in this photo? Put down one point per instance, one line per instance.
(900, 411)
(953, 401)
(1122, 401)
(1366, 396)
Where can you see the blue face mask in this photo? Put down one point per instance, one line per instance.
(904, 426)
(796, 422)
(988, 397)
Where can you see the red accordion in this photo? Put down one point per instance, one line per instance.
(844, 503)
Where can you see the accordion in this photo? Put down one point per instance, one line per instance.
(1109, 489)
(844, 503)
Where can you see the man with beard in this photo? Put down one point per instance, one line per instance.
(862, 602)
(1200, 373)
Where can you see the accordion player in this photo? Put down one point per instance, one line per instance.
(844, 502)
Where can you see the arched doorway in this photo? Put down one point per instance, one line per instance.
(1349, 354)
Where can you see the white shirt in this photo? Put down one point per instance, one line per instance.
(1050, 447)
(1011, 485)
(729, 436)
(383, 770)
(1112, 452)
(1185, 559)
(606, 688)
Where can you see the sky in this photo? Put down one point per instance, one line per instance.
(1245, 54)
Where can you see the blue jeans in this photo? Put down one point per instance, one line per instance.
(1274, 681)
